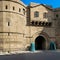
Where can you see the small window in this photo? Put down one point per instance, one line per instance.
(50, 23)
(24, 11)
(6, 7)
(8, 34)
(43, 23)
(45, 15)
(39, 23)
(36, 22)
(32, 22)
(46, 23)
(36, 14)
(57, 15)
(13, 8)
(19, 9)
(8, 23)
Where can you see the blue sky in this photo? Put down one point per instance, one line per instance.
(54, 3)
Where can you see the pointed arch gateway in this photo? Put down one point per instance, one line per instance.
(40, 43)
(41, 40)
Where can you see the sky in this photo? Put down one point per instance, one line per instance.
(53, 3)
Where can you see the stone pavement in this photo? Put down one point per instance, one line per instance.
(21, 52)
(40, 55)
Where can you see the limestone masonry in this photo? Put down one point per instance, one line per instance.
(20, 25)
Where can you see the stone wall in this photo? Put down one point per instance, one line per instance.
(57, 28)
(34, 31)
(12, 26)
(16, 30)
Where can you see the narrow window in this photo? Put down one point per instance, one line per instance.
(36, 14)
(57, 15)
(8, 23)
(6, 7)
(24, 11)
(43, 23)
(39, 23)
(19, 9)
(46, 23)
(8, 34)
(50, 23)
(45, 15)
(32, 22)
(13, 8)
(36, 22)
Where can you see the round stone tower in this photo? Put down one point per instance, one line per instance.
(12, 22)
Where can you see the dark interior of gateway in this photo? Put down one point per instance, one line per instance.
(40, 43)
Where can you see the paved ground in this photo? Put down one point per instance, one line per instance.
(44, 55)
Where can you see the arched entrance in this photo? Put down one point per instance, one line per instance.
(40, 43)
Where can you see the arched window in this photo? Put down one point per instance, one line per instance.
(36, 14)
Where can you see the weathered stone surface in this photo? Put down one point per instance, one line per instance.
(16, 33)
